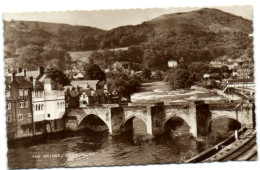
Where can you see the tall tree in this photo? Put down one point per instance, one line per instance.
(94, 72)
(146, 73)
(57, 76)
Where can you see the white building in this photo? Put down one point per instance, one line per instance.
(172, 63)
(48, 104)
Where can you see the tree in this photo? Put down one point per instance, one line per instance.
(124, 83)
(57, 76)
(158, 75)
(93, 72)
(224, 69)
(179, 78)
(146, 73)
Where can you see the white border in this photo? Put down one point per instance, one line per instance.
(62, 5)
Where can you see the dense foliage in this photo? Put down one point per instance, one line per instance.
(93, 72)
(57, 76)
(123, 82)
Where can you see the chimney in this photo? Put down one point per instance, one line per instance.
(13, 77)
(34, 81)
(24, 72)
(19, 70)
(41, 70)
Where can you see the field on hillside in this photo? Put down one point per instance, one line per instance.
(83, 56)
(80, 56)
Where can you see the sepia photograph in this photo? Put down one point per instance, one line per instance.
(120, 87)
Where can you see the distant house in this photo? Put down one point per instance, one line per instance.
(216, 63)
(85, 93)
(78, 76)
(206, 76)
(230, 60)
(172, 63)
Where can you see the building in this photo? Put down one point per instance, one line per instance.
(72, 99)
(19, 116)
(38, 74)
(172, 63)
(48, 106)
(89, 93)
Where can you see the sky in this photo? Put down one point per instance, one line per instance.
(108, 19)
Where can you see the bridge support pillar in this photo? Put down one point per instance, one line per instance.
(149, 127)
(246, 115)
(203, 118)
(193, 120)
(116, 120)
(157, 119)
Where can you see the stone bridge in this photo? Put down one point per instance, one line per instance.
(197, 115)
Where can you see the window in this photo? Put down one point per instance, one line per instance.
(29, 114)
(49, 115)
(26, 105)
(21, 104)
(25, 92)
(9, 118)
(8, 106)
(41, 106)
(58, 105)
(67, 105)
(20, 92)
(84, 95)
(7, 93)
(84, 102)
(20, 117)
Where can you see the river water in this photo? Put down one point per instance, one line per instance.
(88, 148)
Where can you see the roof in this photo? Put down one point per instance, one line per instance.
(100, 92)
(22, 82)
(85, 84)
(86, 91)
(74, 93)
(39, 86)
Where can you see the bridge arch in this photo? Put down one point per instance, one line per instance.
(105, 121)
(128, 123)
(135, 116)
(223, 117)
(174, 116)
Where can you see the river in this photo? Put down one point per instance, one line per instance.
(89, 148)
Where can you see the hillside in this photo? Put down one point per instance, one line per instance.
(205, 20)
(202, 35)
(198, 36)
(22, 33)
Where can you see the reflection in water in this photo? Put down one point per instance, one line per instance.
(86, 148)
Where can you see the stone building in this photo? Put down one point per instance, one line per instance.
(19, 116)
